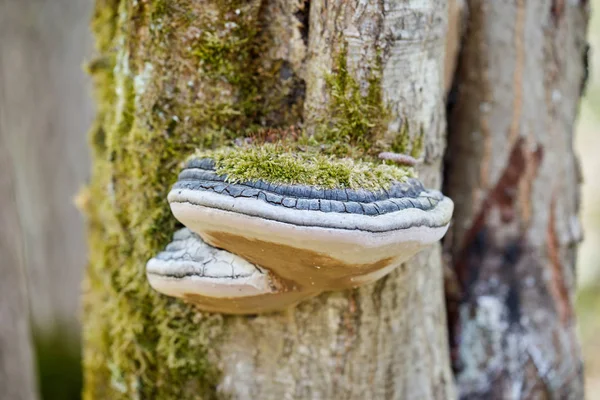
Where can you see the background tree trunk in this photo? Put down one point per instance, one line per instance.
(45, 109)
(17, 373)
(515, 181)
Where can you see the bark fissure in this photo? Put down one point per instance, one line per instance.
(559, 290)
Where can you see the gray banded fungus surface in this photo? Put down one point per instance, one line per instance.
(283, 243)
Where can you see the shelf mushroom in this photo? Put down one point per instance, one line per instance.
(282, 243)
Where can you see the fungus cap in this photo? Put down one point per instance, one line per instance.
(215, 279)
(305, 239)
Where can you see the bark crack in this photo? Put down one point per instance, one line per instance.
(558, 288)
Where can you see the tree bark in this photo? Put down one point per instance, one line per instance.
(173, 76)
(17, 373)
(45, 112)
(515, 181)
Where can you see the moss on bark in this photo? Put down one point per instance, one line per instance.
(166, 83)
(343, 150)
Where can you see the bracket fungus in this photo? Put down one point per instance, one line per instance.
(254, 246)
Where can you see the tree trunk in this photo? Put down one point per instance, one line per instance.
(515, 181)
(173, 76)
(45, 111)
(17, 374)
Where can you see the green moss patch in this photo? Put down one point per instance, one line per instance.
(276, 162)
(357, 119)
(404, 144)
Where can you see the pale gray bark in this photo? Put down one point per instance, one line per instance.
(386, 340)
(17, 376)
(47, 111)
(514, 178)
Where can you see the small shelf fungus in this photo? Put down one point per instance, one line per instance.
(254, 246)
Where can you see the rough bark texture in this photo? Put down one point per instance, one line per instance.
(17, 374)
(514, 179)
(173, 76)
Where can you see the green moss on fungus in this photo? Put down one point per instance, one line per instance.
(279, 164)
